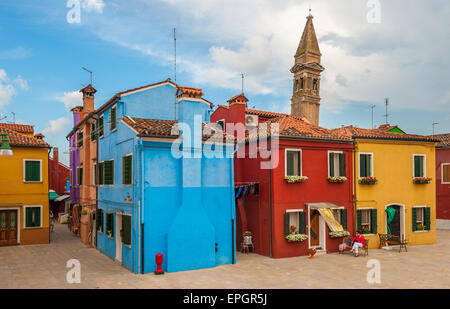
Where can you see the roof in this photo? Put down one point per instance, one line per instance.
(192, 92)
(444, 139)
(166, 128)
(20, 128)
(381, 134)
(266, 114)
(88, 88)
(238, 96)
(78, 125)
(392, 129)
(17, 139)
(295, 127)
(308, 42)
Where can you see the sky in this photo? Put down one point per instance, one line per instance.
(371, 50)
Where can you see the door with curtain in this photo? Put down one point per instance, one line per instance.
(8, 227)
(314, 228)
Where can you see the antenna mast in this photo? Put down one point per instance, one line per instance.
(90, 73)
(372, 107)
(175, 69)
(386, 102)
(433, 125)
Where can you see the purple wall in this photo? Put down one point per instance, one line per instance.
(74, 163)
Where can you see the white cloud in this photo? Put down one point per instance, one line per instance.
(72, 99)
(93, 5)
(7, 90)
(56, 127)
(16, 53)
(21, 83)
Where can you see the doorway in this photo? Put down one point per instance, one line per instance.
(394, 220)
(8, 227)
(118, 237)
(314, 228)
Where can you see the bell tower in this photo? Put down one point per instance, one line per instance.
(305, 100)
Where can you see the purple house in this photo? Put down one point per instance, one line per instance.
(74, 160)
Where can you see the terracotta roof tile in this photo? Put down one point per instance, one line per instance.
(381, 133)
(444, 139)
(20, 128)
(191, 92)
(266, 114)
(19, 140)
(290, 126)
(167, 128)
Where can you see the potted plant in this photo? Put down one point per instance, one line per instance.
(365, 230)
(337, 179)
(339, 234)
(292, 228)
(295, 179)
(421, 180)
(368, 180)
(296, 237)
(420, 227)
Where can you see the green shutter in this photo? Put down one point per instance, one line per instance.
(373, 221)
(416, 166)
(80, 176)
(109, 172)
(101, 173)
(427, 218)
(80, 139)
(342, 167)
(290, 163)
(302, 222)
(331, 165)
(32, 171)
(126, 230)
(93, 133)
(29, 217)
(100, 126)
(112, 118)
(37, 216)
(414, 219)
(344, 218)
(97, 219)
(358, 219)
(287, 229)
(299, 155)
(369, 166)
(362, 165)
(126, 170)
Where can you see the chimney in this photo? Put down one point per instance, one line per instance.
(88, 99)
(39, 136)
(56, 154)
(77, 113)
(238, 106)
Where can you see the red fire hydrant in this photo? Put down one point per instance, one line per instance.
(159, 261)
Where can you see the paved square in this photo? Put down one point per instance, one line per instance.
(44, 266)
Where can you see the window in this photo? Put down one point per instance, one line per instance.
(336, 164)
(108, 170)
(99, 220)
(419, 166)
(340, 215)
(95, 180)
(33, 216)
(93, 133)
(294, 162)
(100, 126)
(315, 84)
(221, 123)
(295, 218)
(101, 173)
(367, 221)
(113, 118)
(365, 165)
(110, 225)
(421, 218)
(80, 139)
(302, 83)
(79, 176)
(296, 85)
(445, 173)
(32, 170)
(126, 230)
(127, 163)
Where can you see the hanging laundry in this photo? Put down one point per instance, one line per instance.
(239, 192)
(255, 189)
(246, 193)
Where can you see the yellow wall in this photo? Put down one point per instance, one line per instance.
(14, 192)
(393, 167)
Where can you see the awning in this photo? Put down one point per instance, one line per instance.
(327, 215)
(62, 198)
(52, 195)
(322, 205)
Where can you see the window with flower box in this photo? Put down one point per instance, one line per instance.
(421, 218)
(365, 165)
(296, 219)
(336, 166)
(445, 173)
(419, 166)
(367, 221)
(293, 162)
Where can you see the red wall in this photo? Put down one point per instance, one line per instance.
(58, 174)
(442, 190)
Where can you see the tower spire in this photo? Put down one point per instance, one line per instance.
(307, 70)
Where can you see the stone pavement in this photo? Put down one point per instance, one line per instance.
(44, 266)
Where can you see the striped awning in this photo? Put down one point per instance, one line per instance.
(327, 215)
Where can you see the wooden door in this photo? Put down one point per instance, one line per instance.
(8, 227)
(314, 228)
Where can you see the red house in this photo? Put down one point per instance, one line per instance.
(443, 182)
(58, 175)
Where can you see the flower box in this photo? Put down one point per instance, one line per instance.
(339, 234)
(421, 180)
(337, 179)
(420, 227)
(368, 181)
(295, 179)
(296, 237)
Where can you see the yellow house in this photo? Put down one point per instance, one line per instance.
(394, 189)
(24, 196)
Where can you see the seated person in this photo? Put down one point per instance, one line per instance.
(358, 242)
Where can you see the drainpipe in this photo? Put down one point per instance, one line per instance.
(355, 148)
(270, 196)
(141, 203)
(48, 180)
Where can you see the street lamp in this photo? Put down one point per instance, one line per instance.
(5, 149)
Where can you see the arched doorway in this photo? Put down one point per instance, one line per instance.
(395, 219)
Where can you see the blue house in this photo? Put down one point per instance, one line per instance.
(165, 181)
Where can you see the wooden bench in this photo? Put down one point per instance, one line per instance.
(394, 240)
(346, 246)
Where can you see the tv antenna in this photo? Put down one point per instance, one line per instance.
(175, 69)
(90, 72)
(372, 107)
(434, 124)
(242, 78)
(386, 102)
(14, 117)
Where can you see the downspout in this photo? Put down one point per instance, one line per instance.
(141, 203)
(354, 186)
(48, 180)
(270, 197)
(233, 209)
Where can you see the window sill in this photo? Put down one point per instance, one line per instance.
(426, 231)
(369, 235)
(128, 246)
(114, 130)
(31, 182)
(33, 228)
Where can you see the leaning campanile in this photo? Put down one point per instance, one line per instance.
(305, 100)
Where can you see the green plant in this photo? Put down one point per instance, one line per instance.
(368, 180)
(420, 227)
(337, 179)
(421, 180)
(294, 179)
(365, 230)
(339, 234)
(296, 237)
(292, 228)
